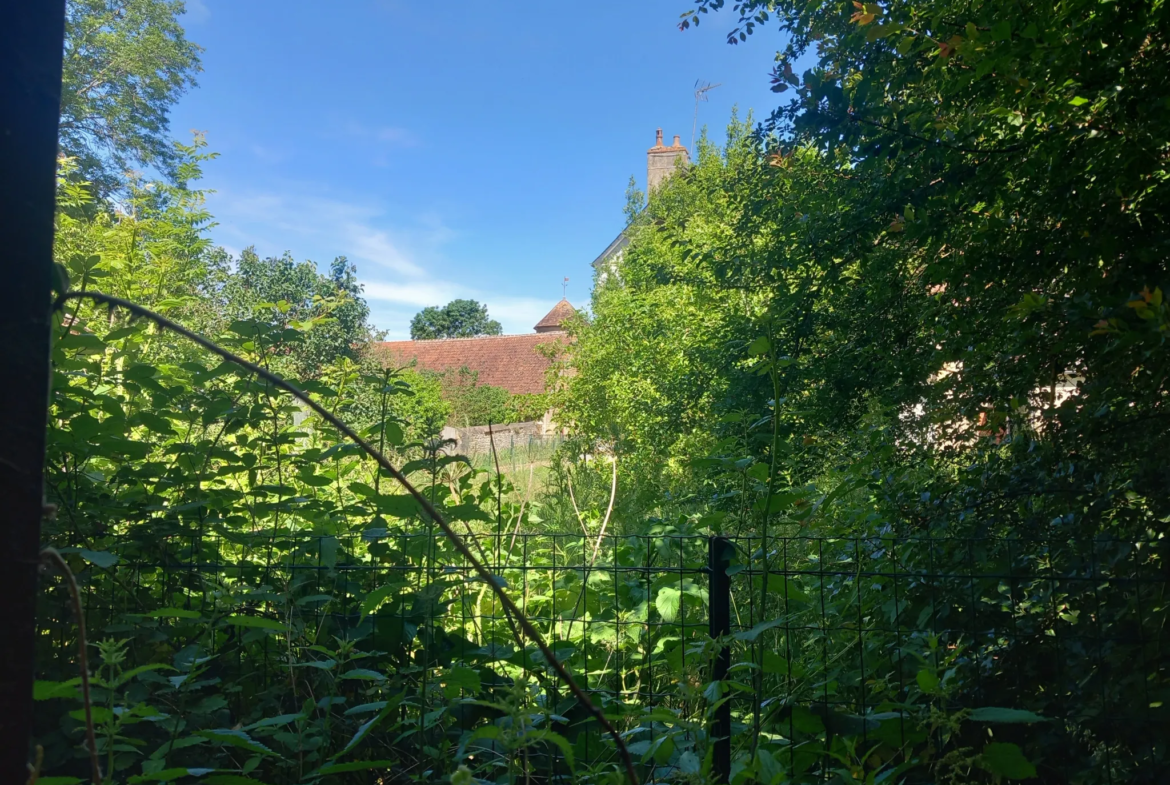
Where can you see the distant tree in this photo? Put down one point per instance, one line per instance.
(456, 319)
(635, 201)
(281, 291)
(126, 63)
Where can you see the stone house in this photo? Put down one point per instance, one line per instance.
(661, 162)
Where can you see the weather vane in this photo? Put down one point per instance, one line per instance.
(565, 288)
(701, 90)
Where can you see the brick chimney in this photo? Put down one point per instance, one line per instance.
(661, 161)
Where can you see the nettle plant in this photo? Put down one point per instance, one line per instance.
(271, 610)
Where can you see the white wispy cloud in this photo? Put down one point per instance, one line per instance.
(397, 136)
(197, 11)
(319, 222)
(413, 293)
(516, 314)
(397, 259)
(376, 136)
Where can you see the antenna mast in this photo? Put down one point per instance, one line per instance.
(701, 90)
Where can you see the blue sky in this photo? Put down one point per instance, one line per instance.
(451, 149)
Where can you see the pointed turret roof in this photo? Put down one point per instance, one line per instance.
(552, 321)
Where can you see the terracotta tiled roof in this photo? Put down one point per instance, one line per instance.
(553, 320)
(513, 362)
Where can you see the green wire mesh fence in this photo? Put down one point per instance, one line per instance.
(907, 657)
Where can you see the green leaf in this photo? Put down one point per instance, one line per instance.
(777, 502)
(1079, 101)
(994, 714)
(167, 775)
(483, 732)
(366, 727)
(927, 681)
(378, 596)
(257, 622)
(363, 674)
(366, 708)
(774, 663)
(174, 613)
(771, 770)
(48, 690)
(754, 632)
(461, 678)
(786, 589)
(462, 776)
(231, 779)
(102, 559)
(667, 602)
(357, 765)
(759, 346)
(552, 737)
(235, 738)
(153, 422)
(59, 781)
(100, 714)
(271, 722)
(397, 506)
(125, 677)
(1006, 760)
(663, 750)
(322, 665)
(139, 373)
(313, 480)
(83, 343)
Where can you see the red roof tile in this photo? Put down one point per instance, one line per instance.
(513, 362)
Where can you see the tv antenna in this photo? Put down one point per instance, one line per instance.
(565, 289)
(701, 90)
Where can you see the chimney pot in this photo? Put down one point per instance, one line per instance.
(661, 161)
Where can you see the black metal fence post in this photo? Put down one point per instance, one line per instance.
(719, 551)
(31, 43)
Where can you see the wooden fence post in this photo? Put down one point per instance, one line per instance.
(32, 36)
(719, 550)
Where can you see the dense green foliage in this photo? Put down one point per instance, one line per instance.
(473, 403)
(905, 342)
(306, 294)
(925, 299)
(456, 319)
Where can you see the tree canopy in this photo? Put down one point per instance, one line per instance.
(456, 319)
(285, 292)
(126, 64)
